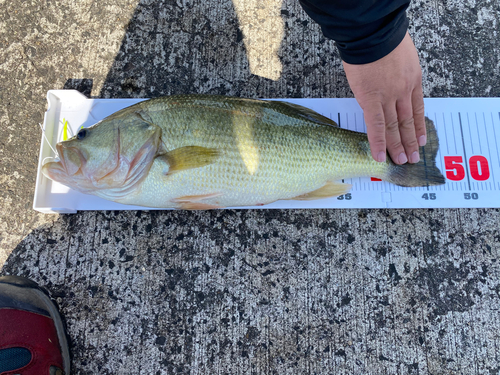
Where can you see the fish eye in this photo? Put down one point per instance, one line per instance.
(81, 134)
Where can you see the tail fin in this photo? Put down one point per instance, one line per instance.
(423, 173)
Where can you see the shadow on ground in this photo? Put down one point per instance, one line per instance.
(204, 52)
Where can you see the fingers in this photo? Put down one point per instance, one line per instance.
(419, 116)
(375, 127)
(407, 129)
(411, 128)
(394, 137)
(400, 128)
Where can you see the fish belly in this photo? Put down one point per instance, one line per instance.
(248, 175)
(222, 186)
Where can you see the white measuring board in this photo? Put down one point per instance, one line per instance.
(469, 156)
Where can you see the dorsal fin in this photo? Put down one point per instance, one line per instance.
(306, 113)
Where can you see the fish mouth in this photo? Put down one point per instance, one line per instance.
(72, 159)
(65, 166)
(52, 167)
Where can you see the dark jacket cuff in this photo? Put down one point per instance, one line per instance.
(362, 31)
(364, 52)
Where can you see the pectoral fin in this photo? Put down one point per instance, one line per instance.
(188, 157)
(142, 118)
(330, 189)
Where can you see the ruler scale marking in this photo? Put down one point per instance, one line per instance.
(445, 134)
(439, 155)
(465, 153)
(495, 135)
(488, 144)
(478, 135)
(470, 135)
(454, 184)
(439, 150)
(454, 134)
(425, 167)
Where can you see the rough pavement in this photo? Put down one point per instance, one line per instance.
(240, 292)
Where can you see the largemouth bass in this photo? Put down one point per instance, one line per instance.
(204, 152)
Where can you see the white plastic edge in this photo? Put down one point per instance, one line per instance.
(53, 100)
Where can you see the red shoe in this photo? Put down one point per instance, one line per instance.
(32, 336)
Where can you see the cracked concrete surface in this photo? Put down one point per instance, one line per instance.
(237, 292)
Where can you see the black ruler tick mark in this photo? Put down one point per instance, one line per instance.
(465, 154)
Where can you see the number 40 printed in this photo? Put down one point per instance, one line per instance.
(478, 167)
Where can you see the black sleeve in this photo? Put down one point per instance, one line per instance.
(364, 30)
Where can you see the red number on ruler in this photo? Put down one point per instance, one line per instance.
(479, 168)
(476, 162)
(454, 171)
(375, 179)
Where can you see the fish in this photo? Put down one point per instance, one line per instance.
(199, 152)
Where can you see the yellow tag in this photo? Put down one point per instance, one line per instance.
(67, 132)
(65, 129)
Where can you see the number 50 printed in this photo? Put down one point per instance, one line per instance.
(478, 168)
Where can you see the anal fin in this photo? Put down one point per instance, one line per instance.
(197, 206)
(193, 202)
(330, 189)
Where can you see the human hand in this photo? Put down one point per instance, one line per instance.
(389, 91)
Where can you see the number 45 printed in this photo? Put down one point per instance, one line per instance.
(478, 167)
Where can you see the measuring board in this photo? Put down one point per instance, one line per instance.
(469, 156)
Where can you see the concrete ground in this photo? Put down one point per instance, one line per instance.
(245, 292)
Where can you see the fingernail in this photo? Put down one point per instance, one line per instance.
(415, 157)
(422, 140)
(402, 158)
(381, 157)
